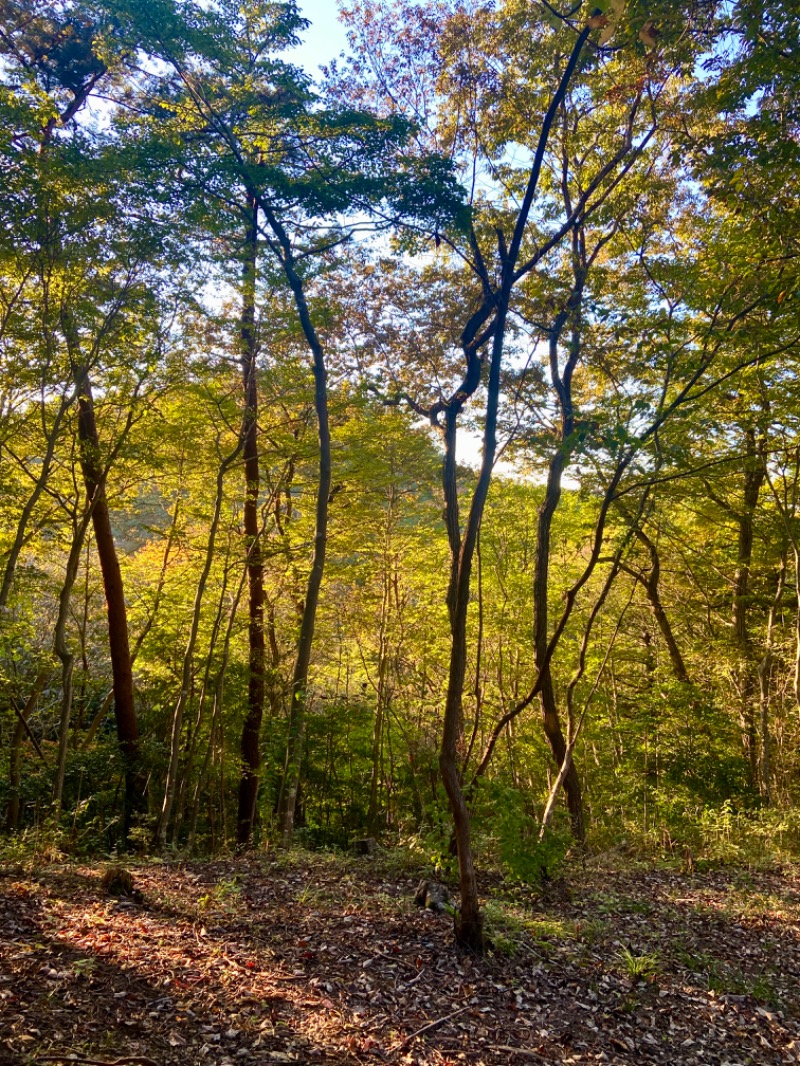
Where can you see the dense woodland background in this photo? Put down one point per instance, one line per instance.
(411, 449)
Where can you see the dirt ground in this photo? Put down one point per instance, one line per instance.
(317, 959)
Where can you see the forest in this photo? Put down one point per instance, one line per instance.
(400, 502)
(404, 454)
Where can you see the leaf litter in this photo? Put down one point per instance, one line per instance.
(310, 959)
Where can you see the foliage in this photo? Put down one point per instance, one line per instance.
(640, 543)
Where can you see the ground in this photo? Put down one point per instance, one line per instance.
(320, 959)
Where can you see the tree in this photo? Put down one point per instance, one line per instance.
(298, 166)
(507, 243)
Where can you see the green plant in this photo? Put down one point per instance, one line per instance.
(221, 896)
(83, 967)
(508, 926)
(639, 966)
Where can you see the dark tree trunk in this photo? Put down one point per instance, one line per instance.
(551, 720)
(116, 609)
(562, 383)
(251, 729)
(299, 692)
(15, 751)
(469, 922)
(651, 585)
(62, 650)
(753, 479)
(187, 673)
(282, 244)
(40, 483)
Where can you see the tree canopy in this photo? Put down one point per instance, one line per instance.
(411, 452)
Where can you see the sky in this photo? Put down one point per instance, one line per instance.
(322, 42)
(324, 39)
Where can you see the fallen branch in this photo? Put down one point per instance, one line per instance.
(70, 1056)
(525, 1052)
(428, 1028)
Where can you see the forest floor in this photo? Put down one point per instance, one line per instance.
(315, 959)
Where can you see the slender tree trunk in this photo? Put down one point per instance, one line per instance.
(30, 504)
(753, 479)
(15, 751)
(541, 576)
(96, 722)
(652, 588)
(251, 729)
(116, 609)
(187, 672)
(193, 732)
(764, 677)
(299, 691)
(216, 713)
(469, 920)
(576, 724)
(62, 650)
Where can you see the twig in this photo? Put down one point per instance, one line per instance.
(427, 1028)
(69, 1056)
(525, 1052)
(413, 981)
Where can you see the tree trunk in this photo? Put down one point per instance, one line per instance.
(764, 677)
(187, 672)
(30, 504)
(99, 717)
(373, 821)
(216, 713)
(299, 691)
(251, 729)
(15, 752)
(116, 609)
(193, 733)
(651, 586)
(753, 478)
(63, 652)
(469, 920)
(541, 574)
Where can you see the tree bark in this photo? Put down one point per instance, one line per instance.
(562, 383)
(651, 586)
(764, 677)
(469, 921)
(116, 609)
(62, 650)
(187, 671)
(753, 478)
(299, 690)
(251, 729)
(96, 722)
(15, 751)
(30, 504)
